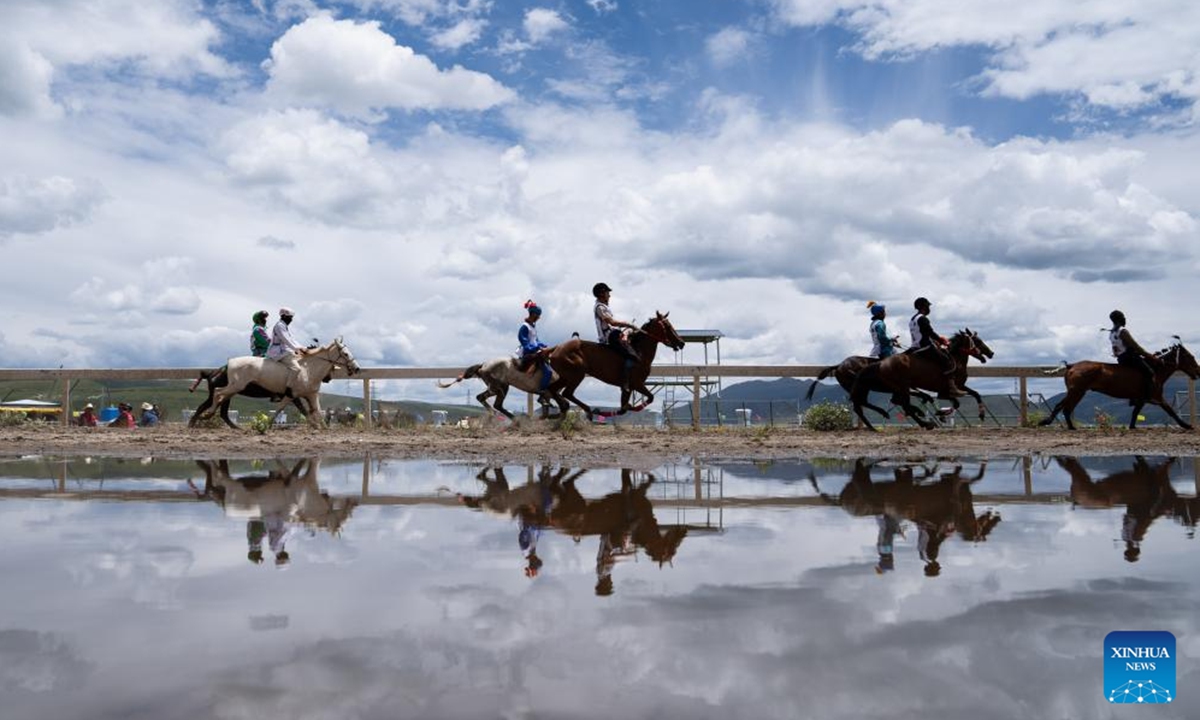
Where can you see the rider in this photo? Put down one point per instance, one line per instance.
(259, 339)
(882, 346)
(924, 339)
(1128, 353)
(283, 347)
(532, 350)
(608, 331)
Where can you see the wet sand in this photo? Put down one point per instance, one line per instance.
(590, 446)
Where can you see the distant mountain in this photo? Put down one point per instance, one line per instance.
(776, 399)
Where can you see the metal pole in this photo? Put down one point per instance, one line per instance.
(366, 488)
(529, 404)
(1192, 400)
(1027, 472)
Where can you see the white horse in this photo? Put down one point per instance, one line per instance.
(272, 376)
(292, 495)
(500, 374)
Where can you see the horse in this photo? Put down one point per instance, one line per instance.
(846, 372)
(899, 374)
(938, 509)
(272, 377)
(1145, 490)
(219, 378)
(289, 494)
(576, 359)
(624, 520)
(499, 375)
(1124, 382)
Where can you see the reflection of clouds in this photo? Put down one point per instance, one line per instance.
(38, 662)
(153, 573)
(717, 652)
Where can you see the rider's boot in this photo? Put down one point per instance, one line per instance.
(625, 368)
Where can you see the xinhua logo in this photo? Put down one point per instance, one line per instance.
(1139, 667)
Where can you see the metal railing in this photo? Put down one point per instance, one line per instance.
(695, 373)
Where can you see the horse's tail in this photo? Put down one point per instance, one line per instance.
(821, 376)
(1062, 368)
(467, 374)
(207, 375)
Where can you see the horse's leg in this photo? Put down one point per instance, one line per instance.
(569, 393)
(1174, 416)
(225, 413)
(1053, 413)
(1069, 402)
(315, 417)
(978, 400)
(1137, 408)
(877, 409)
(914, 412)
(498, 403)
(199, 414)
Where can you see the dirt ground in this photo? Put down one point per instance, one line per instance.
(589, 446)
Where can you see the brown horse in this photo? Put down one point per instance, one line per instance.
(623, 520)
(846, 372)
(576, 359)
(1124, 382)
(1145, 490)
(900, 374)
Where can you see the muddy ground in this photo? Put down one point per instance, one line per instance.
(589, 446)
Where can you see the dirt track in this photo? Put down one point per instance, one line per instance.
(590, 446)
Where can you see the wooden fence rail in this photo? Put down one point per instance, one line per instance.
(694, 372)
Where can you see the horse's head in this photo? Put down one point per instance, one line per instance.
(342, 356)
(1180, 358)
(962, 343)
(659, 328)
(982, 353)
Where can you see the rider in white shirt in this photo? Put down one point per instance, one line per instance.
(608, 331)
(284, 347)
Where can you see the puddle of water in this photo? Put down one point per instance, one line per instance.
(379, 588)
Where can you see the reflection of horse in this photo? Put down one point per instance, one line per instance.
(1146, 492)
(939, 509)
(290, 493)
(1124, 382)
(272, 376)
(623, 520)
(576, 359)
(900, 373)
(499, 375)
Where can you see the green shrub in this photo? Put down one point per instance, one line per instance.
(1033, 419)
(827, 416)
(261, 422)
(1104, 421)
(12, 419)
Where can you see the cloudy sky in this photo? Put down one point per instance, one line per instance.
(406, 173)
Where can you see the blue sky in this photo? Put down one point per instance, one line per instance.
(406, 173)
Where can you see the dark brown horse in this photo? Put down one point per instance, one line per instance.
(846, 372)
(576, 359)
(1145, 490)
(901, 374)
(1124, 382)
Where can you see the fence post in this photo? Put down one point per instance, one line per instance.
(66, 402)
(696, 401)
(367, 403)
(1024, 389)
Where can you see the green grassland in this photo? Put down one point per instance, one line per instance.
(173, 398)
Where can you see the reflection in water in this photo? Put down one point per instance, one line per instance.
(274, 503)
(938, 508)
(624, 521)
(1145, 491)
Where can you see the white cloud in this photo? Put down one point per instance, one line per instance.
(602, 6)
(462, 33)
(29, 206)
(541, 23)
(728, 46)
(270, 241)
(1121, 54)
(356, 68)
(25, 82)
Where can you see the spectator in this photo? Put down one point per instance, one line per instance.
(124, 417)
(87, 418)
(149, 415)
